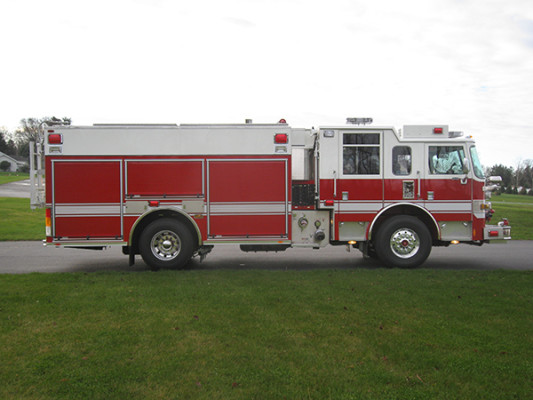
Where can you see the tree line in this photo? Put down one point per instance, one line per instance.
(17, 143)
(517, 180)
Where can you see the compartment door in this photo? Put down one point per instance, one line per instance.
(248, 199)
(87, 199)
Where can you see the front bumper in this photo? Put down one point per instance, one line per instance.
(497, 232)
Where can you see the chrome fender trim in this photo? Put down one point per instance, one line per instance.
(379, 214)
(159, 209)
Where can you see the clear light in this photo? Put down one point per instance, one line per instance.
(455, 134)
(454, 242)
(352, 242)
(329, 133)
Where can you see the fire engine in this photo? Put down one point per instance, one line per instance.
(171, 192)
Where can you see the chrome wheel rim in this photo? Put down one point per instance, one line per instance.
(405, 243)
(165, 245)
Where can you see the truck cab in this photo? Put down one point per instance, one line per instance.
(394, 195)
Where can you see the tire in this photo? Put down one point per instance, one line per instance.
(403, 241)
(166, 243)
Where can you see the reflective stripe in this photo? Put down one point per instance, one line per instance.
(259, 208)
(85, 209)
(437, 207)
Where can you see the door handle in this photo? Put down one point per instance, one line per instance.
(335, 185)
(464, 180)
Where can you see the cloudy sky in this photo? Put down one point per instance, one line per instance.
(468, 64)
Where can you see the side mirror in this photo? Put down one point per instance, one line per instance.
(492, 185)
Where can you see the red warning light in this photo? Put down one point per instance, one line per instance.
(55, 138)
(281, 138)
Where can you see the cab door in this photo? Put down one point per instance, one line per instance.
(351, 179)
(447, 189)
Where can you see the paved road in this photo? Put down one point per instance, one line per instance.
(26, 257)
(16, 189)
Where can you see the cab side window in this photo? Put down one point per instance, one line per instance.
(446, 160)
(361, 154)
(401, 160)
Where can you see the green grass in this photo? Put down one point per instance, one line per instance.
(512, 198)
(323, 334)
(7, 177)
(519, 210)
(19, 222)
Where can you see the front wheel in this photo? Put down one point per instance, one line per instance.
(166, 243)
(403, 241)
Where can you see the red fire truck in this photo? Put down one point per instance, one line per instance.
(170, 192)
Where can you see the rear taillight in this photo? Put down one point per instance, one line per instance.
(48, 221)
(55, 138)
(281, 138)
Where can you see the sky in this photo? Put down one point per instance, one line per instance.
(464, 63)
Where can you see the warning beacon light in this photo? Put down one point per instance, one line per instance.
(359, 121)
(281, 138)
(55, 138)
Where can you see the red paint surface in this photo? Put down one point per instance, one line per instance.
(247, 181)
(81, 227)
(252, 225)
(164, 177)
(87, 182)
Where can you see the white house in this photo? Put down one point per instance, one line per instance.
(15, 164)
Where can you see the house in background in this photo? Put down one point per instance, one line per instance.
(15, 161)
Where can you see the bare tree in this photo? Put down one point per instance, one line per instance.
(7, 145)
(29, 127)
(3, 142)
(29, 131)
(527, 174)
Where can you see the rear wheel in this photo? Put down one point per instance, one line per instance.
(166, 243)
(403, 241)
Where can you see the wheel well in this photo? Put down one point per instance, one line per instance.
(406, 209)
(157, 214)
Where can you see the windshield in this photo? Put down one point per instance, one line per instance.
(478, 169)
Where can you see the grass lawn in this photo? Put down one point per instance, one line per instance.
(512, 198)
(19, 222)
(320, 334)
(519, 210)
(7, 177)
